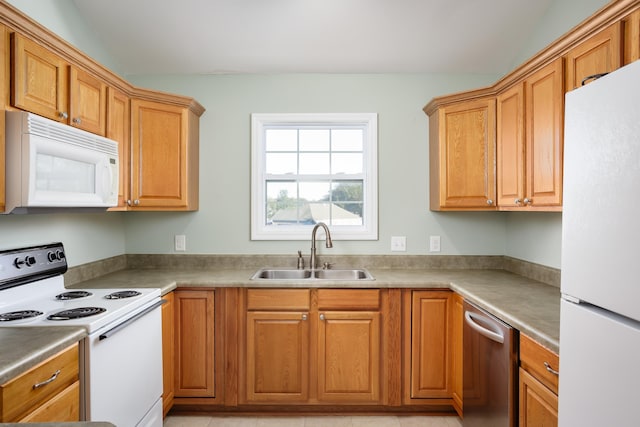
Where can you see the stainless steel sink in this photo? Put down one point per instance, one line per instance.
(290, 274)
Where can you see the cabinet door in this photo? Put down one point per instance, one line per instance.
(63, 407)
(159, 155)
(538, 404)
(462, 156)
(457, 325)
(349, 352)
(510, 147)
(39, 80)
(168, 354)
(194, 343)
(119, 129)
(277, 357)
(87, 102)
(601, 53)
(544, 98)
(430, 375)
(632, 37)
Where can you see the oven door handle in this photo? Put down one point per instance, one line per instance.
(129, 321)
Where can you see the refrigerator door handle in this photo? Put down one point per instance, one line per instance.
(492, 335)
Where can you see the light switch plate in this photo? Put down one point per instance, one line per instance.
(434, 243)
(180, 242)
(398, 243)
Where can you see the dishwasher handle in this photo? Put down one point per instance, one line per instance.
(129, 321)
(492, 335)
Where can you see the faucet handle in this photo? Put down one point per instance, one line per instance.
(300, 261)
(326, 265)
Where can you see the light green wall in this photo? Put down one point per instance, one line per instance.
(222, 223)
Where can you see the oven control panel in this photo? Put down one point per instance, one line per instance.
(34, 262)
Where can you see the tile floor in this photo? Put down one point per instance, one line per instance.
(320, 421)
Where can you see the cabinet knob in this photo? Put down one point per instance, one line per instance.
(528, 201)
(63, 115)
(76, 120)
(517, 201)
(128, 202)
(321, 316)
(136, 202)
(489, 202)
(304, 316)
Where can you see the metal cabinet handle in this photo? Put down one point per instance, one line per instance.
(45, 382)
(550, 369)
(136, 202)
(517, 201)
(321, 316)
(63, 115)
(304, 316)
(489, 202)
(528, 201)
(76, 120)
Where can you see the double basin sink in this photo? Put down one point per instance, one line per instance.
(307, 274)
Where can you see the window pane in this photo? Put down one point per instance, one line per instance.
(281, 140)
(348, 202)
(314, 191)
(281, 163)
(314, 140)
(347, 139)
(346, 163)
(314, 163)
(281, 197)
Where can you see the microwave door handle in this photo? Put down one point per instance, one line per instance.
(129, 321)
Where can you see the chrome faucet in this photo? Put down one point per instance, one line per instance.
(328, 243)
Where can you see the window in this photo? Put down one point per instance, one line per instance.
(310, 168)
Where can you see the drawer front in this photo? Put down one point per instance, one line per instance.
(348, 299)
(533, 357)
(29, 390)
(63, 407)
(278, 299)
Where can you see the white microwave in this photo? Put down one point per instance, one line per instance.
(50, 165)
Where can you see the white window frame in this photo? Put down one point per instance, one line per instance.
(368, 230)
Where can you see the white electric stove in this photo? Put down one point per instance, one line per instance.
(120, 359)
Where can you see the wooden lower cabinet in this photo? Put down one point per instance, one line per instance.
(194, 343)
(168, 355)
(307, 346)
(538, 389)
(56, 400)
(457, 325)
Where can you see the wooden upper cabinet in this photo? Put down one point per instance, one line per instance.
(39, 79)
(510, 147)
(164, 156)
(462, 156)
(600, 53)
(544, 123)
(119, 129)
(632, 37)
(87, 102)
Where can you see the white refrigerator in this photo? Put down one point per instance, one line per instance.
(600, 307)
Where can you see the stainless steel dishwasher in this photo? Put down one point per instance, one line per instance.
(490, 370)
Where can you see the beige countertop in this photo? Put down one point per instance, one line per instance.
(24, 347)
(530, 306)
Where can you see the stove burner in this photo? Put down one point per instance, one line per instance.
(76, 313)
(122, 294)
(73, 295)
(19, 315)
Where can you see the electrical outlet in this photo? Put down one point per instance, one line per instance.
(180, 242)
(398, 243)
(434, 243)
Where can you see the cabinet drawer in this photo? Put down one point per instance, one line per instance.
(278, 299)
(63, 407)
(352, 299)
(533, 357)
(29, 390)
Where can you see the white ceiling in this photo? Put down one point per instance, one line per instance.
(313, 36)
